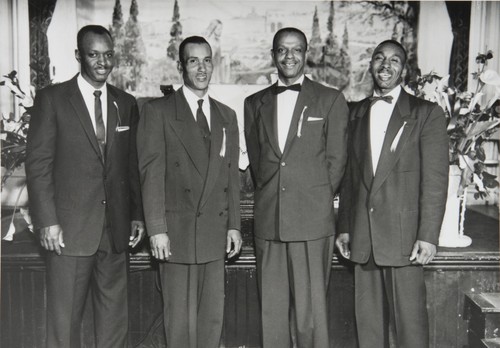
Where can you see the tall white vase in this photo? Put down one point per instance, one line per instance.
(452, 228)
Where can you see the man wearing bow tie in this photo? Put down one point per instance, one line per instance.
(188, 162)
(392, 202)
(84, 194)
(297, 146)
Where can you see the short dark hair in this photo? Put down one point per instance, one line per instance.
(289, 30)
(395, 43)
(191, 40)
(96, 29)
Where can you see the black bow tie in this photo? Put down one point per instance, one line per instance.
(386, 98)
(280, 89)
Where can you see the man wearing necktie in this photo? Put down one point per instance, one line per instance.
(84, 194)
(392, 202)
(296, 133)
(188, 161)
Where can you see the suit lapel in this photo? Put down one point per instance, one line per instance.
(306, 98)
(113, 110)
(78, 104)
(187, 130)
(361, 143)
(400, 121)
(217, 123)
(268, 115)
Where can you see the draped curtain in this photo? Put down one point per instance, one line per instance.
(459, 12)
(40, 15)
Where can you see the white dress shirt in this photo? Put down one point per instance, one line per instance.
(286, 104)
(192, 100)
(87, 91)
(380, 115)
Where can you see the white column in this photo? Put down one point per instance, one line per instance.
(484, 36)
(61, 35)
(15, 48)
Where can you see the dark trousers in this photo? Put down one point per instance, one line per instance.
(293, 279)
(193, 303)
(68, 281)
(390, 295)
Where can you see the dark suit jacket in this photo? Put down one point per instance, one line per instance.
(68, 182)
(405, 200)
(294, 190)
(193, 198)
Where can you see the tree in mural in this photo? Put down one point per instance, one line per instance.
(332, 70)
(133, 54)
(175, 33)
(315, 45)
(117, 31)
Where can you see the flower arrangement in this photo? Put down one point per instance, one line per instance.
(469, 123)
(13, 132)
(13, 141)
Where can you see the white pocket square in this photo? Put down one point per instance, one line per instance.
(397, 137)
(311, 119)
(122, 128)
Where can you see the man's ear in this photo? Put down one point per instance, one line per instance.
(179, 67)
(271, 52)
(77, 56)
(404, 72)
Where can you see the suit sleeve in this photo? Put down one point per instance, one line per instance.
(151, 147)
(336, 140)
(252, 137)
(136, 212)
(434, 175)
(40, 157)
(234, 176)
(345, 201)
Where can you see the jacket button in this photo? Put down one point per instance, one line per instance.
(283, 164)
(187, 190)
(103, 201)
(177, 164)
(372, 210)
(221, 213)
(283, 189)
(198, 214)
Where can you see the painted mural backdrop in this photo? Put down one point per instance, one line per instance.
(341, 34)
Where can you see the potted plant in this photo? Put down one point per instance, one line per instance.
(13, 134)
(470, 125)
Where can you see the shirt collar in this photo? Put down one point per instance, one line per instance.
(193, 98)
(87, 88)
(394, 93)
(299, 81)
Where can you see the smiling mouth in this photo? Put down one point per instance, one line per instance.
(201, 77)
(384, 75)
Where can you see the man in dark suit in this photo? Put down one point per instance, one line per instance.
(188, 162)
(84, 191)
(392, 203)
(297, 146)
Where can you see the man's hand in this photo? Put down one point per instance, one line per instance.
(422, 253)
(51, 238)
(160, 246)
(234, 239)
(137, 232)
(342, 244)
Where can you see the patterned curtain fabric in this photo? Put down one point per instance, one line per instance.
(40, 15)
(459, 12)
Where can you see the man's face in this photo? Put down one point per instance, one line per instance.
(289, 56)
(387, 67)
(196, 67)
(96, 57)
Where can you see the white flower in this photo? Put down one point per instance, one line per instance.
(490, 77)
